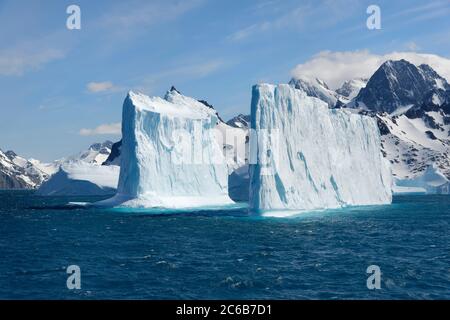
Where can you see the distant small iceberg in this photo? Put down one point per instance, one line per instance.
(431, 181)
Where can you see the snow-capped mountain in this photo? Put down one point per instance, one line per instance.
(412, 107)
(240, 121)
(97, 153)
(317, 88)
(398, 85)
(19, 173)
(351, 88)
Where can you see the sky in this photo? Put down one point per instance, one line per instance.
(62, 90)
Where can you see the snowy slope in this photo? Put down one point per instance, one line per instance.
(159, 167)
(411, 145)
(320, 157)
(81, 179)
(97, 153)
(351, 88)
(317, 88)
(416, 130)
(18, 173)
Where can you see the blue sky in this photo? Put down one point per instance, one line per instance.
(56, 82)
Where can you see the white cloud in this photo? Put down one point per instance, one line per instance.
(16, 61)
(104, 129)
(336, 67)
(96, 87)
(412, 46)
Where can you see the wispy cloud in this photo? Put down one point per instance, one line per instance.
(294, 17)
(431, 7)
(337, 67)
(309, 15)
(104, 129)
(16, 61)
(99, 87)
(412, 46)
(141, 14)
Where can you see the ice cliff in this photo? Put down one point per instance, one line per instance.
(306, 156)
(169, 155)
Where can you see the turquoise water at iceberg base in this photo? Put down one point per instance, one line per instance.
(223, 254)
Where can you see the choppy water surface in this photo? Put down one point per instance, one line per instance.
(223, 254)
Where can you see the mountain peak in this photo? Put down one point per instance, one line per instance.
(315, 88)
(240, 121)
(99, 146)
(398, 83)
(173, 89)
(10, 154)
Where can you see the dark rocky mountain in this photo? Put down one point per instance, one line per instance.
(114, 156)
(398, 84)
(240, 121)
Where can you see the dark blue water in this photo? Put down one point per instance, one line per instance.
(226, 255)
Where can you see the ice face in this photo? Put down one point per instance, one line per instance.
(321, 158)
(170, 157)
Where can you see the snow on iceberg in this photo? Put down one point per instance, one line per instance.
(169, 156)
(80, 178)
(305, 156)
(431, 181)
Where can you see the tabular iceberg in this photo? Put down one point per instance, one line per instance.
(169, 156)
(305, 156)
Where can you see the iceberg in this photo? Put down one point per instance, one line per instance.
(305, 156)
(431, 181)
(169, 155)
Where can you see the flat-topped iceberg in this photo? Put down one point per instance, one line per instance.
(169, 156)
(305, 156)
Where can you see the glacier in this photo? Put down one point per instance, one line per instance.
(305, 156)
(169, 155)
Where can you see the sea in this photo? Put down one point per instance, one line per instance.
(50, 250)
